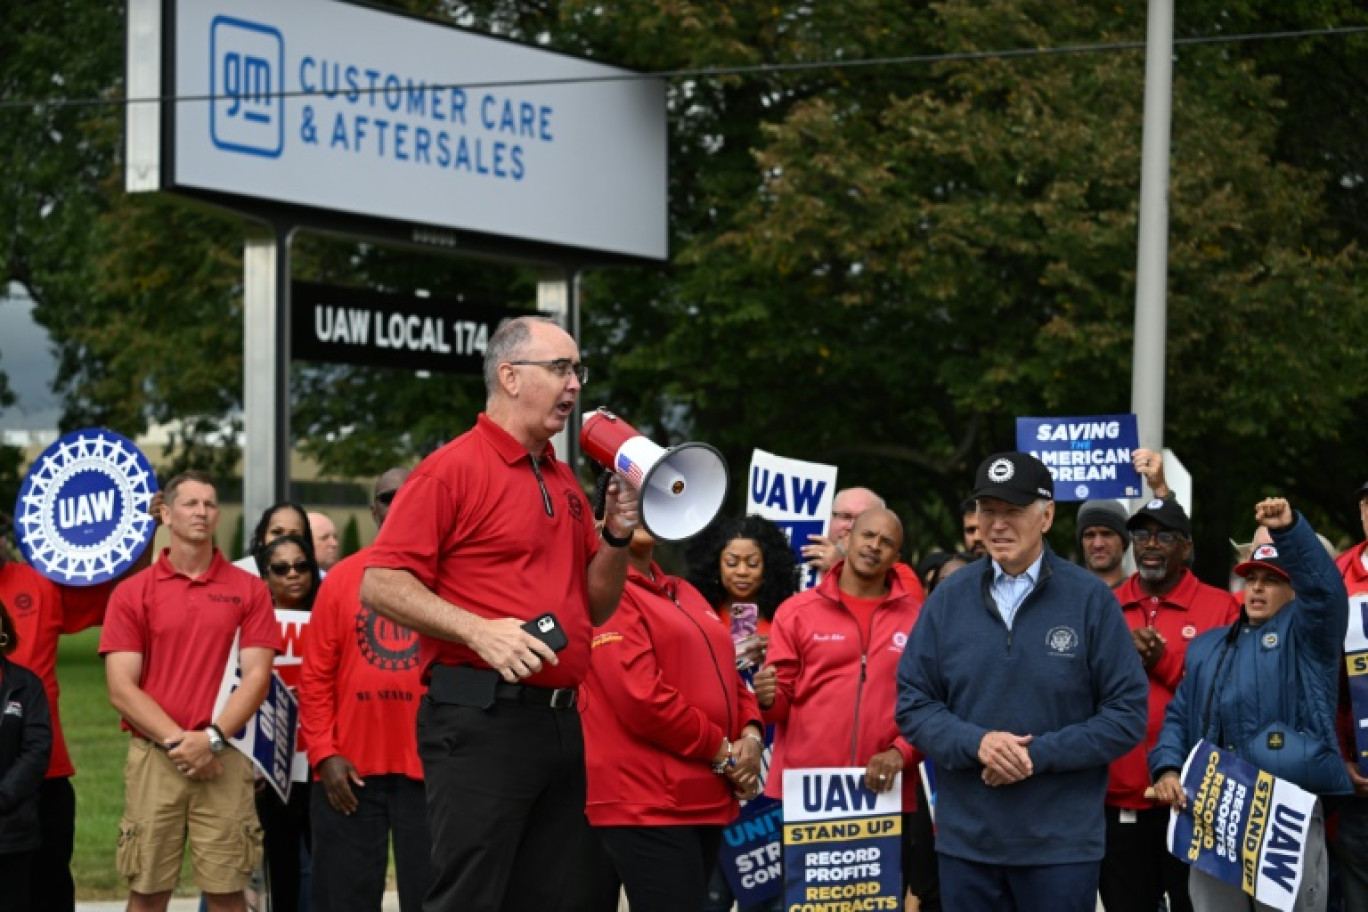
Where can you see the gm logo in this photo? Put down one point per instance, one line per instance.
(246, 80)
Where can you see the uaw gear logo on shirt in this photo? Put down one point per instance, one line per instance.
(385, 644)
(14, 708)
(1001, 470)
(82, 513)
(1062, 641)
(1270, 640)
(576, 504)
(1156, 504)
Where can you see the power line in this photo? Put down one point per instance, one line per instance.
(748, 70)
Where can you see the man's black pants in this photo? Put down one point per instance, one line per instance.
(351, 852)
(505, 802)
(1138, 868)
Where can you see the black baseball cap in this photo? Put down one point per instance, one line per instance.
(1166, 512)
(1018, 478)
(1361, 492)
(1263, 556)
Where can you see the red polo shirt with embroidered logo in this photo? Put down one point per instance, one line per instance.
(184, 630)
(474, 525)
(1188, 609)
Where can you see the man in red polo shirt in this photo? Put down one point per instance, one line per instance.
(358, 699)
(167, 639)
(1165, 607)
(489, 533)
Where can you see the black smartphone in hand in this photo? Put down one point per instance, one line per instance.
(547, 629)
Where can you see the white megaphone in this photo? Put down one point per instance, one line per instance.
(682, 488)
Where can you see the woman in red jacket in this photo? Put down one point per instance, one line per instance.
(672, 737)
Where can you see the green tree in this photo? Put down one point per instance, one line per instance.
(351, 537)
(878, 267)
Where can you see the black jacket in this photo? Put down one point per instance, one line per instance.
(25, 746)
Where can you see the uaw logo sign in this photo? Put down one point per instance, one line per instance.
(82, 513)
(247, 82)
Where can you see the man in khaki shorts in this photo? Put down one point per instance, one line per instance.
(166, 642)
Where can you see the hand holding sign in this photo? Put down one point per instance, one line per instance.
(882, 772)
(821, 553)
(1169, 790)
(1150, 464)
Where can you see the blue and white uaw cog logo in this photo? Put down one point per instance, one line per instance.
(81, 516)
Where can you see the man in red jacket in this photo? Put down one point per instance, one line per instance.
(1349, 841)
(358, 703)
(830, 683)
(1165, 607)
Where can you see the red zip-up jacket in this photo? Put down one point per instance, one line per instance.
(835, 695)
(661, 694)
(1350, 565)
(1188, 609)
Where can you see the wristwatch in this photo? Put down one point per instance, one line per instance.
(216, 740)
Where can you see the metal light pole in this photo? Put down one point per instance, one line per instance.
(1151, 273)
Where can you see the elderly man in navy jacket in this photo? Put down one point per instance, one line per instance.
(1021, 682)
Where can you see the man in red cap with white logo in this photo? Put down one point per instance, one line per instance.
(1165, 606)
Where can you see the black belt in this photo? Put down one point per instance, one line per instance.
(554, 697)
(461, 685)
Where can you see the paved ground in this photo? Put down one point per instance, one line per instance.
(189, 904)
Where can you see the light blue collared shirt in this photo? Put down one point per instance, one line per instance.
(1010, 591)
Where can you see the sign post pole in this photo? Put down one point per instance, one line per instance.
(266, 369)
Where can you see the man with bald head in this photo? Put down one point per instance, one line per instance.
(327, 548)
(835, 649)
(823, 553)
(488, 536)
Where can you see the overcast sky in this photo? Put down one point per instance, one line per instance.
(27, 360)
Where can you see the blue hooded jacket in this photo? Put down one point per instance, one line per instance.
(1268, 692)
(1067, 673)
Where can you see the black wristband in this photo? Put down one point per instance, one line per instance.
(612, 540)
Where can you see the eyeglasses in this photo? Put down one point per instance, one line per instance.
(1168, 538)
(283, 569)
(385, 498)
(846, 517)
(562, 367)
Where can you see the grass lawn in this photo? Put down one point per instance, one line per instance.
(98, 748)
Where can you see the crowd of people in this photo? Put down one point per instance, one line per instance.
(509, 687)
